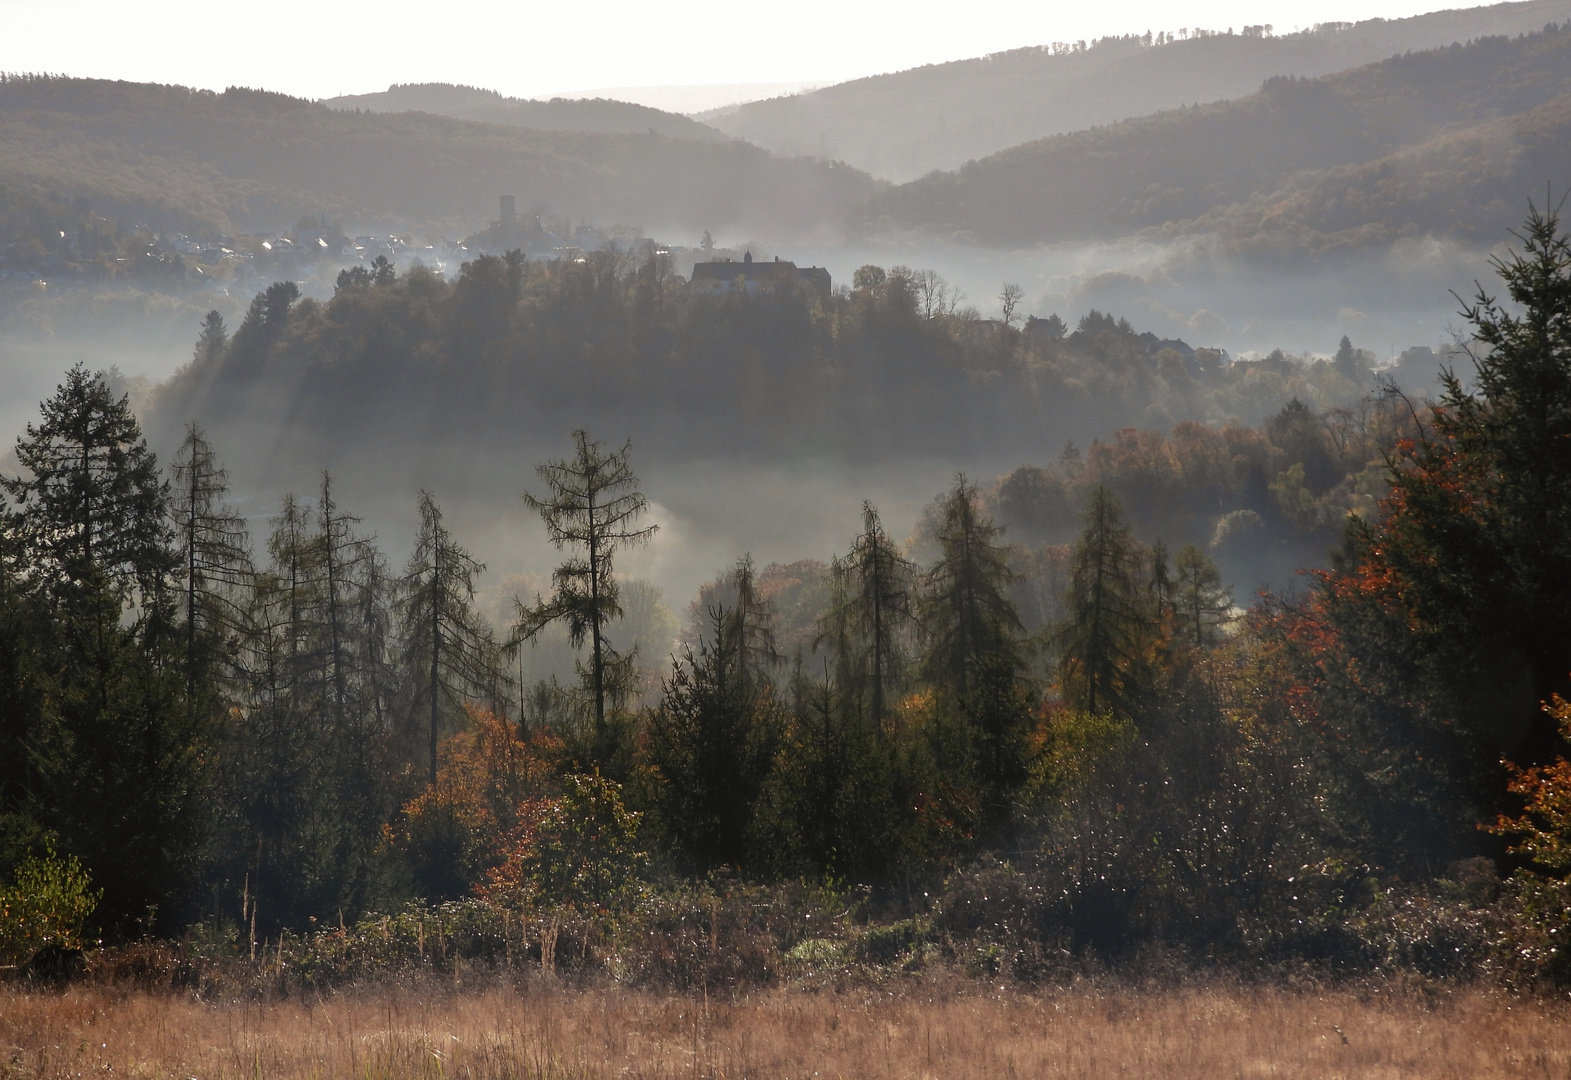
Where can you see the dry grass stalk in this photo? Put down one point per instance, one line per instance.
(966, 1030)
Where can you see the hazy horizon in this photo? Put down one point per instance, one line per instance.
(156, 42)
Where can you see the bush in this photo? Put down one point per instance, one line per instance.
(45, 908)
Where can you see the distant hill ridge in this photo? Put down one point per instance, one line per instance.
(904, 125)
(557, 114)
(1449, 142)
(196, 160)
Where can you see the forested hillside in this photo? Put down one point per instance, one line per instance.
(1449, 142)
(419, 375)
(1022, 743)
(557, 114)
(212, 163)
(903, 125)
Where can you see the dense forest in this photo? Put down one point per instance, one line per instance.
(905, 124)
(473, 371)
(216, 163)
(1037, 741)
(1428, 143)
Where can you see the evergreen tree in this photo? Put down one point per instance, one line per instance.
(1475, 540)
(91, 501)
(115, 756)
(973, 657)
(592, 506)
(447, 652)
(212, 342)
(1102, 642)
(711, 744)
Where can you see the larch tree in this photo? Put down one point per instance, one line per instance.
(871, 616)
(1201, 602)
(447, 650)
(215, 573)
(752, 634)
(592, 507)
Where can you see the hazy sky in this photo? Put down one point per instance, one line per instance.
(528, 49)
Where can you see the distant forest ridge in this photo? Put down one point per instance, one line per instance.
(906, 124)
(557, 114)
(1448, 142)
(199, 161)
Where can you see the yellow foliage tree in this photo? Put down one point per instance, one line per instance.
(1545, 825)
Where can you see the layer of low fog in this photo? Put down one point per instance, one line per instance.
(712, 511)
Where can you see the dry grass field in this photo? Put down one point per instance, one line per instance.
(957, 1031)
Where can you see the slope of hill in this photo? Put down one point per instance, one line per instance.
(179, 158)
(557, 114)
(1369, 152)
(906, 124)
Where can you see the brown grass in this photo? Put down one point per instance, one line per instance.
(925, 1030)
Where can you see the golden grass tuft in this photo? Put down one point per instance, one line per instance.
(927, 1030)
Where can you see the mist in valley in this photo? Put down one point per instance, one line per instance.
(713, 508)
(1005, 525)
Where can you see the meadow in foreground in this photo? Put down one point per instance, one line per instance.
(536, 1028)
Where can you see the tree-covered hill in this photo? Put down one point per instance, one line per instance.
(557, 114)
(1450, 141)
(903, 125)
(193, 159)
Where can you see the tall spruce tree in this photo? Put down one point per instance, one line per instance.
(973, 657)
(116, 754)
(1101, 643)
(711, 742)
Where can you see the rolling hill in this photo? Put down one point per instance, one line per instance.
(904, 125)
(197, 160)
(557, 114)
(1449, 141)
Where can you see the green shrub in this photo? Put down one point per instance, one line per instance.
(46, 905)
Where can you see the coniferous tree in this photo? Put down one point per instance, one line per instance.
(212, 341)
(215, 572)
(116, 753)
(752, 634)
(448, 654)
(870, 620)
(91, 501)
(1102, 642)
(592, 506)
(1200, 600)
(973, 658)
(711, 743)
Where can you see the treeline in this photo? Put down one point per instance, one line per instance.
(408, 370)
(906, 124)
(557, 114)
(221, 163)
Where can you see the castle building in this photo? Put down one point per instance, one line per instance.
(755, 279)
